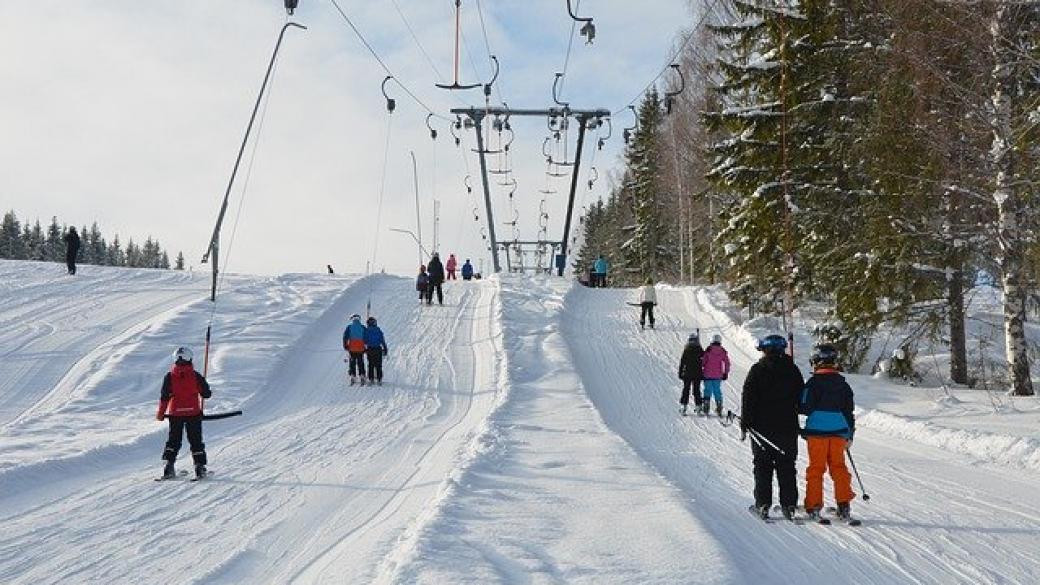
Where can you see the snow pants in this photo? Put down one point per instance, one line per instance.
(451, 275)
(191, 424)
(375, 363)
(357, 363)
(768, 461)
(70, 260)
(687, 385)
(429, 294)
(713, 388)
(827, 454)
(647, 309)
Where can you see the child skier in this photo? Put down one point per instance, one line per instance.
(690, 372)
(715, 366)
(422, 282)
(828, 402)
(467, 270)
(647, 300)
(375, 349)
(451, 266)
(354, 343)
(180, 401)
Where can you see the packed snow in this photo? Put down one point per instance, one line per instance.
(527, 432)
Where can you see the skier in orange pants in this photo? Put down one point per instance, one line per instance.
(828, 401)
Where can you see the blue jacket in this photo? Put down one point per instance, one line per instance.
(374, 337)
(354, 336)
(467, 270)
(827, 400)
(600, 266)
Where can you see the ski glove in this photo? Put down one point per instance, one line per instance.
(725, 376)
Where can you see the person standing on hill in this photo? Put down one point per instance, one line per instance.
(451, 266)
(375, 349)
(71, 249)
(647, 301)
(690, 372)
(715, 366)
(769, 411)
(354, 343)
(467, 270)
(422, 283)
(599, 271)
(436, 271)
(180, 402)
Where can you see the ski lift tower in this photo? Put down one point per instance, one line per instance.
(586, 119)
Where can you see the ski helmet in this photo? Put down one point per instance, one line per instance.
(716, 338)
(772, 344)
(371, 321)
(182, 354)
(824, 355)
(693, 338)
(355, 317)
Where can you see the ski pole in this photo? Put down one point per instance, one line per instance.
(866, 497)
(755, 435)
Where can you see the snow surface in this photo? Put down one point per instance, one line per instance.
(527, 432)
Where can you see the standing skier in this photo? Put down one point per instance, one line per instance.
(354, 343)
(647, 300)
(422, 282)
(769, 411)
(690, 372)
(71, 249)
(180, 401)
(450, 267)
(467, 270)
(715, 369)
(436, 271)
(828, 401)
(375, 349)
(599, 272)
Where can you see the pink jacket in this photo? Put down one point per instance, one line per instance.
(715, 363)
(451, 263)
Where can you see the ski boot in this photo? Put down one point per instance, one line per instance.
(362, 380)
(651, 324)
(814, 516)
(788, 512)
(353, 380)
(379, 382)
(762, 510)
(200, 471)
(169, 472)
(683, 410)
(718, 410)
(844, 513)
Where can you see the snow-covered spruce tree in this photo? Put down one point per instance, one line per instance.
(11, 244)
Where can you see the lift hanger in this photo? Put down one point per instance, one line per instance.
(454, 86)
(669, 96)
(588, 30)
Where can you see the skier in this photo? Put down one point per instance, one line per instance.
(827, 400)
(375, 349)
(769, 411)
(467, 270)
(180, 401)
(422, 282)
(647, 300)
(71, 249)
(450, 267)
(599, 272)
(715, 369)
(436, 271)
(354, 343)
(690, 372)
(329, 267)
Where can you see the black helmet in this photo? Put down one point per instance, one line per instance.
(824, 355)
(371, 321)
(772, 344)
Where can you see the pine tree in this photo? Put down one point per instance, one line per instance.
(115, 255)
(646, 254)
(11, 245)
(54, 247)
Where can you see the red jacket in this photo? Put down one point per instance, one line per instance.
(182, 391)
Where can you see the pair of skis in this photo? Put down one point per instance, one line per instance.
(799, 520)
(183, 474)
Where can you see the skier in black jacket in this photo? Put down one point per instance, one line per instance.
(436, 271)
(690, 372)
(769, 411)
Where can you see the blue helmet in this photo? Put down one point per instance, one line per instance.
(824, 355)
(772, 344)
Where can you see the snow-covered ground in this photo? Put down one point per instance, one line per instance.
(527, 432)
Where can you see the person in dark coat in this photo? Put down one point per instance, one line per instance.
(436, 271)
(180, 402)
(71, 249)
(331, 271)
(375, 350)
(422, 283)
(769, 412)
(690, 372)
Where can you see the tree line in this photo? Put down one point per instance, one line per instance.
(879, 156)
(20, 241)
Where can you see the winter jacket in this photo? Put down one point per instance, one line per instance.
(422, 281)
(600, 266)
(72, 242)
(374, 338)
(647, 294)
(452, 263)
(467, 270)
(436, 271)
(690, 363)
(181, 391)
(769, 403)
(715, 363)
(827, 400)
(354, 337)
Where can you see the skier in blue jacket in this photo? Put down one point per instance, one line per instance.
(354, 343)
(599, 271)
(467, 270)
(375, 348)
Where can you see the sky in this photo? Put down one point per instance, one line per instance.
(130, 113)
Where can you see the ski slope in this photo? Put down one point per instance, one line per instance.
(526, 432)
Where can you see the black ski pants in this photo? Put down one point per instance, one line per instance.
(687, 385)
(429, 294)
(375, 363)
(647, 309)
(767, 461)
(179, 424)
(357, 363)
(70, 259)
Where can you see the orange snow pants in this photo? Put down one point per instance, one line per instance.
(827, 453)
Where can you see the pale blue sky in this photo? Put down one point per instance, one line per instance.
(129, 113)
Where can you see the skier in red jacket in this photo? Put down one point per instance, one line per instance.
(181, 403)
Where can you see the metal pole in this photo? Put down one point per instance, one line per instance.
(418, 216)
(487, 192)
(214, 242)
(574, 188)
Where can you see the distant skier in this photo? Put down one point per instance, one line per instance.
(769, 411)
(451, 266)
(647, 300)
(375, 349)
(599, 271)
(690, 372)
(467, 270)
(329, 266)
(71, 249)
(715, 369)
(422, 283)
(180, 401)
(436, 271)
(354, 343)
(827, 400)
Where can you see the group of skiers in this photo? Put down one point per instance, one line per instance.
(363, 341)
(433, 274)
(774, 394)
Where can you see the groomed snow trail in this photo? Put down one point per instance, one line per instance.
(933, 518)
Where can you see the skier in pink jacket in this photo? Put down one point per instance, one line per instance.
(715, 365)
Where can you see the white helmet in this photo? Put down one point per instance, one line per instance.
(716, 338)
(355, 317)
(182, 354)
